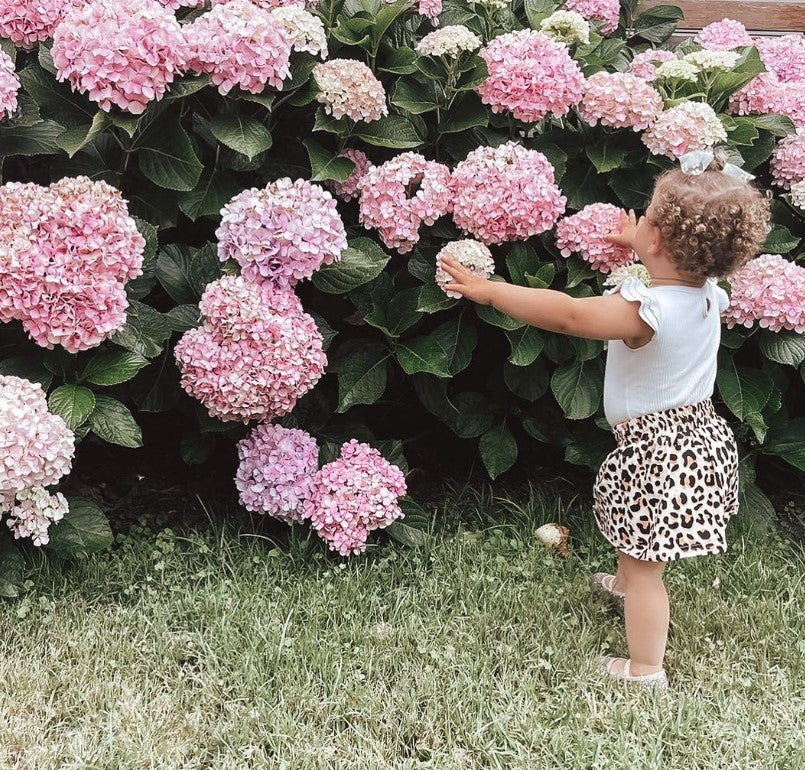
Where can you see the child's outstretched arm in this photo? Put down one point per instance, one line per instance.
(599, 318)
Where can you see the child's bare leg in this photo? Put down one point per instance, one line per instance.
(620, 574)
(646, 612)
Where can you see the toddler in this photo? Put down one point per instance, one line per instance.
(671, 484)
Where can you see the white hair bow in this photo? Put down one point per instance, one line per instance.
(696, 162)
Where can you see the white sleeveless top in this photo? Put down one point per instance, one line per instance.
(677, 367)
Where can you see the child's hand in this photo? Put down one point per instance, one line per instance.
(628, 227)
(467, 283)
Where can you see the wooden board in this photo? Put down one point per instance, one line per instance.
(772, 16)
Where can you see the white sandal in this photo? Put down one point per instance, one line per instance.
(603, 583)
(657, 679)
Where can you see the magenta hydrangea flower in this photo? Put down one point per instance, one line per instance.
(255, 362)
(389, 204)
(620, 100)
(644, 65)
(9, 86)
(605, 12)
(36, 447)
(239, 44)
(348, 87)
(530, 75)
(32, 511)
(723, 35)
(583, 233)
(784, 56)
(119, 52)
(788, 160)
(350, 187)
(28, 22)
(282, 233)
(768, 290)
(352, 496)
(505, 193)
(276, 469)
(684, 128)
(68, 250)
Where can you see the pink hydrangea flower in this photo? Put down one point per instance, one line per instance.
(350, 187)
(239, 44)
(768, 290)
(389, 204)
(784, 56)
(32, 511)
(605, 12)
(620, 100)
(684, 128)
(788, 160)
(505, 193)
(348, 87)
(9, 86)
(36, 447)
(765, 94)
(268, 5)
(530, 75)
(431, 9)
(282, 233)
(175, 5)
(255, 362)
(352, 496)
(583, 233)
(28, 22)
(67, 250)
(276, 469)
(644, 65)
(723, 35)
(119, 52)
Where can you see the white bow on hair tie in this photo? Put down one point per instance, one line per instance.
(696, 162)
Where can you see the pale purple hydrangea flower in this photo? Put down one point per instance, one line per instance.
(583, 233)
(766, 94)
(784, 56)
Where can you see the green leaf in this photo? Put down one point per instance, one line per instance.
(413, 530)
(113, 422)
(324, 165)
(209, 196)
(56, 100)
(167, 158)
(401, 61)
(361, 262)
(196, 448)
(328, 334)
(111, 367)
(498, 450)
(745, 391)
(156, 389)
(187, 86)
(788, 442)
(184, 317)
(528, 382)
(489, 315)
(77, 137)
(779, 241)
(458, 338)
(783, 347)
(240, 133)
(632, 186)
(11, 570)
(74, 403)
(423, 354)
(39, 139)
(536, 11)
(29, 368)
(414, 97)
(83, 530)
(606, 157)
(520, 260)
(778, 125)
(759, 152)
(468, 111)
(432, 299)
(362, 376)
(144, 331)
(658, 23)
(526, 343)
(185, 272)
(578, 388)
(393, 131)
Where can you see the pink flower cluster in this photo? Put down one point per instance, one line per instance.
(9, 85)
(644, 64)
(67, 251)
(620, 100)
(282, 233)
(354, 495)
(684, 128)
(175, 5)
(605, 12)
(401, 194)
(784, 56)
(431, 9)
(119, 52)
(505, 193)
(268, 5)
(276, 469)
(770, 290)
(583, 233)
(788, 160)
(254, 356)
(28, 22)
(723, 35)
(36, 447)
(766, 94)
(305, 30)
(32, 511)
(530, 75)
(351, 187)
(239, 44)
(348, 87)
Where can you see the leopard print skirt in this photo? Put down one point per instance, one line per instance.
(670, 486)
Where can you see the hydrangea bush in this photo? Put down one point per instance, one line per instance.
(232, 213)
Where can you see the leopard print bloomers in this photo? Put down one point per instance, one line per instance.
(670, 486)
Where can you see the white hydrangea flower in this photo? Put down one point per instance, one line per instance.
(495, 5)
(677, 70)
(305, 30)
(798, 194)
(712, 60)
(472, 254)
(566, 27)
(35, 510)
(449, 41)
(619, 274)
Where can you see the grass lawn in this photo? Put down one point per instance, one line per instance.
(212, 650)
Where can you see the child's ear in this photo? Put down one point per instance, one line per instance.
(655, 244)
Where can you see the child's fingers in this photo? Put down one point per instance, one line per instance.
(632, 217)
(456, 287)
(455, 269)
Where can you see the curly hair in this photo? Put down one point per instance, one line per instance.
(711, 224)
